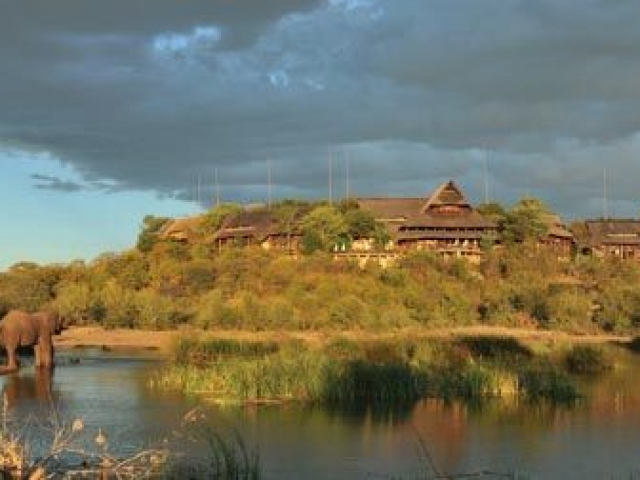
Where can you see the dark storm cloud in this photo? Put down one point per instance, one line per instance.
(157, 94)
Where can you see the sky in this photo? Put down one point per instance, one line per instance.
(110, 111)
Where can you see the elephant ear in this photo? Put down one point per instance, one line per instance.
(53, 321)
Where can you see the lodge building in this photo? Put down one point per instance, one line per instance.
(259, 227)
(610, 238)
(444, 222)
(558, 237)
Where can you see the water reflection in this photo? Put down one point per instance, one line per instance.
(31, 387)
(396, 413)
(596, 438)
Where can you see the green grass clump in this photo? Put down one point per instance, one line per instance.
(361, 382)
(548, 383)
(343, 348)
(587, 359)
(190, 351)
(470, 382)
(634, 344)
(496, 348)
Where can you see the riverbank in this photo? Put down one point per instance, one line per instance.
(163, 341)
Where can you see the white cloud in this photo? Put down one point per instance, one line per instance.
(279, 79)
(202, 38)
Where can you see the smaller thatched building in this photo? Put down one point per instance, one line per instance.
(609, 237)
(259, 227)
(558, 236)
(181, 229)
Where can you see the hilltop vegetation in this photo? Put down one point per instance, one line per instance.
(163, 284)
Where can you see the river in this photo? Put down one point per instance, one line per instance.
(597, 438)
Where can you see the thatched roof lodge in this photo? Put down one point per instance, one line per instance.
(444, 222)
(258, 226)
(181, 229)
(610, 237)
(558, 236)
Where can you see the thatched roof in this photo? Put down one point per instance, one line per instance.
(446, 195)
(612, 232)
(249, 223)
(469, 219)
(391, 209)
(556, 227)
(182, 229)
(445, 208)
(255, 223)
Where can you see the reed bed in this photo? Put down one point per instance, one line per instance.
(189, 351)
(587, 360)
(548, 382)
(345, 372)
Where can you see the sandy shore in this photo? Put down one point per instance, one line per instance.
(77, 337)
(162, 342)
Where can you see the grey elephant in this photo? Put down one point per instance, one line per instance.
(22, 329)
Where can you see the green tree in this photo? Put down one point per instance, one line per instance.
(215, 217)
(526, 221)
(322, 229)
(493, 211)
(288, 213)
(154, 311)
(360, 224)
(28, 286)
(198, 276)
(210, 309)
(75, 301)
(119, 306)
(148, 236)
(130, 269)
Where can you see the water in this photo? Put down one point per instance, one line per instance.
(598, 438)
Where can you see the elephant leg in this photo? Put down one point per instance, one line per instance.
(13, 363)
(37, 353)
(45, 347)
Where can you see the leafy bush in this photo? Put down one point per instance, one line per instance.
(506, 349)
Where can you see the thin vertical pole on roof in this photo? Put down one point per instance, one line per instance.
(217, 187)
(605, 206)
(199, 190)
(330, 177)
(486, 178)
(268, 182)
(348, 180)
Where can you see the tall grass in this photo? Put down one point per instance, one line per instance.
(189, 351)
(226, 455)
(587, 360)
(496, 348)
(548, 382)
(347, 373)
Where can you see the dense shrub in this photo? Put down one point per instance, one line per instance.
(168, 282)
(587, 359)
(506, 349)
